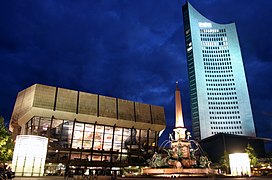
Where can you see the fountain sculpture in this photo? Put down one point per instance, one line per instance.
(184, 157)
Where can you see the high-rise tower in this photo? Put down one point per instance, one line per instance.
(218, 88)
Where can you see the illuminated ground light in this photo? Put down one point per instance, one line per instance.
(239, 164)
(29, 155)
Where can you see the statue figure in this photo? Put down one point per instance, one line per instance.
(204, 162)
(157, 161)
(188, 135)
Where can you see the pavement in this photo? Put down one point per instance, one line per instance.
(148, 178)
(39, 178)
(61, 177)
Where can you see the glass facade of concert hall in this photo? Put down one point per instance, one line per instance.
(78, 141)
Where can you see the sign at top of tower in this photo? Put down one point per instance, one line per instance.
(205, 25)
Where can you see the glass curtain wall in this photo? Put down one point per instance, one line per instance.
(78, 141)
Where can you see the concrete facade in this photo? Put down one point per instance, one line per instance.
(48, 101)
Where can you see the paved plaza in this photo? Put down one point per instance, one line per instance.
(134, 178)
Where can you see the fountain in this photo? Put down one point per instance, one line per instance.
(185, 156)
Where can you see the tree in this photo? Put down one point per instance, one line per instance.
(224, 162)
(252, 155)
(6, 143)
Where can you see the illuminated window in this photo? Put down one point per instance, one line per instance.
(189, 49)
(78, 136)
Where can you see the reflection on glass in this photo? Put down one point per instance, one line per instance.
(118, 144)
(143, 137)
(88, 136)
(152, 138)
(55, 134)
(98, 137)
(117, 139)
(78, 136)
(67, 133)
(35, 125)
(44, 126)
(108, 138)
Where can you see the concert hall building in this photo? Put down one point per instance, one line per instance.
(87, 132)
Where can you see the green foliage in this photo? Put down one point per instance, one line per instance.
(252, 155)
(6, 143)
(224, 162)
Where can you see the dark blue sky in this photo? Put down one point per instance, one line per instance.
(131, 49)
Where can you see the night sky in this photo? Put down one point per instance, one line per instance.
(130, 49)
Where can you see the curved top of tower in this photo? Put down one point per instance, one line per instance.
(203, 21)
